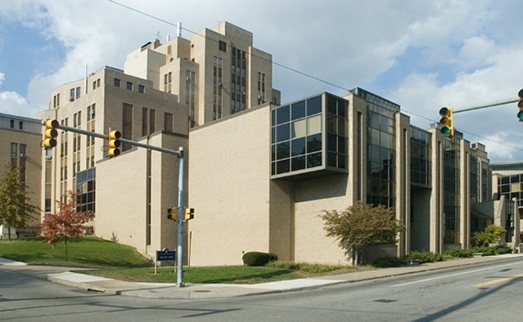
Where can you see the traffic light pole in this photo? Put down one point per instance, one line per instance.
(181, 191)
(472, 108)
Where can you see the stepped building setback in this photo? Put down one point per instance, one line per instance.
(259, 171)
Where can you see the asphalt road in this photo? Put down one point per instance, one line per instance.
(486, 292)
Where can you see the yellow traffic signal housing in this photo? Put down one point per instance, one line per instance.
(446, 122)
(189, 214)
(50, 133)
(520, 105)
(113, 147)
(172, 214)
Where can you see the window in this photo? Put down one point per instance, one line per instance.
(167, 79)
(238, 80)
(71, 95)
(77, 92)
(222, 45)
(12, 124)
(217, 88)
(129, 86)
(141, 89)
(167, 122)
(127, 125)
(261, 88)
(56, 100)
(116, 82)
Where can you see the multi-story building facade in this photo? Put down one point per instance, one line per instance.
(284, 165)
(162, 92)
(264, 186)
(20, 147)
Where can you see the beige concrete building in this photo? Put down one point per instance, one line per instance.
(20, 147)
(283, 165)
(258, 173)
(163, 90)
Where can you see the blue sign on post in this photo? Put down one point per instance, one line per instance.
(165, 255)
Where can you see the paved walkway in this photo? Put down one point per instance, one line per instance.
(200, 291)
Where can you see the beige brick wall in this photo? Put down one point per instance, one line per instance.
(229, 188)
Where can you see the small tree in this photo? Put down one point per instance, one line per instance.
(15, 209)
(491, 234)
(67, 223)
(360, 225)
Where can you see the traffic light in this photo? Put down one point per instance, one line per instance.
(520, 105)
(50, 133)
(172, 214)
(189, 214)
(114, 144)
(447, 127)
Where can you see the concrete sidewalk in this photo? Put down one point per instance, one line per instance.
(202, 291)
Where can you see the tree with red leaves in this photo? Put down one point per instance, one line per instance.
(67, 223)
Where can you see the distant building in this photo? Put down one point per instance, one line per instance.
(21, 147)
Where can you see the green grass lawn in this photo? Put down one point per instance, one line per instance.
(117, 261)
(89, 252)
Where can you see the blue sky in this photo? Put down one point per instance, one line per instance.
(420, 54)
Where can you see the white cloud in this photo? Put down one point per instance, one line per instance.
(462, 52)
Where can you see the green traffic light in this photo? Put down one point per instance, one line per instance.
(445, 130)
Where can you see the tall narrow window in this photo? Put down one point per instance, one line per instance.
(152, 121)
(167, 122)
(190, 95)
(238, 81)
(145, 115)
(127, 125)
(217, 88)
(261, 88)
(167, 79)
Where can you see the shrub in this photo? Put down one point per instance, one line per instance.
(490, 235)
(487, 251)
(460, 253)
(387, 261)
(311, 268)
(425, 257)
(258, 258)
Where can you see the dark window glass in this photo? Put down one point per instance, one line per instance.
(273, 117)
(283, 132)
(332, 159)
(283, 150)
(282, 166)
(314, 143)
(273, 148)
(342, 108)
(313, 160)
(298, 110)
(116, 82)
(298, 163)
(314, 105)
(298, 146)
(141, 89)
(331, 142)
(331, 104)
(283, 114)
(341, 144)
